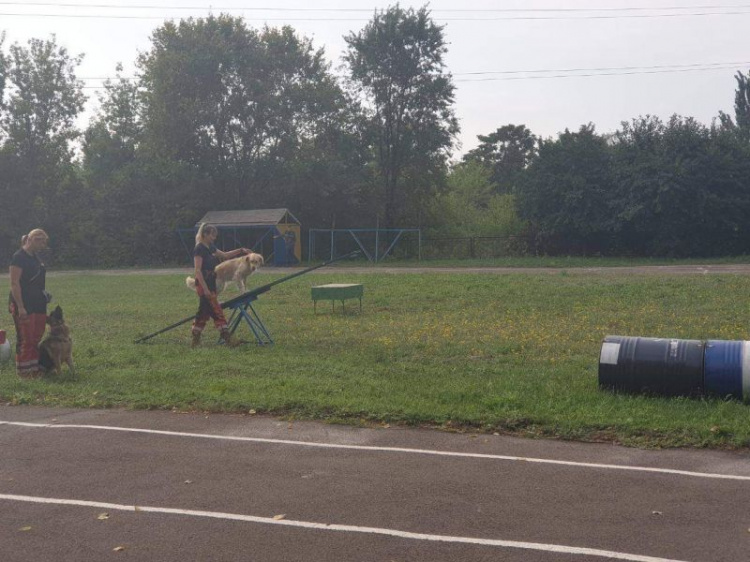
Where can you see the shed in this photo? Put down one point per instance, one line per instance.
(274, 233)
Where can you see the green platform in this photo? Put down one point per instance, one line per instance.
(337, 292)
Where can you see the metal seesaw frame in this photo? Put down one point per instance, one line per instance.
(251, 318)
(243, 302)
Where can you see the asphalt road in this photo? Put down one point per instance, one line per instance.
(230, 488)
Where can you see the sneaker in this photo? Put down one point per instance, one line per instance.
(229, 339)
(33, 374)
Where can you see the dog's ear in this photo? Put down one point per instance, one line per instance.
(57, 314)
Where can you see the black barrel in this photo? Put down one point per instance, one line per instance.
(666, 367)
(727, 369)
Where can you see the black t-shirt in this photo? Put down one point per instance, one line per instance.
(33, 279)
(209, 263)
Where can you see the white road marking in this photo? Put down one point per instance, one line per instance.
(343, 528)
(385, 449)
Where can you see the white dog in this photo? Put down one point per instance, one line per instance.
(237, 270)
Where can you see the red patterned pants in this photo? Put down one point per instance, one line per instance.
(29, 332)
(209, 307)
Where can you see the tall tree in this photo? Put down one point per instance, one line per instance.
(566, 192)
(469, 205)
(114, 135)
(681, 188)
(396, 65)
(45, 99)
(742, 105)
(235, 102)
(3, 71)
(137, 195)
(507, 151)
(38, 184)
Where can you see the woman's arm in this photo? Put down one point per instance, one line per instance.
(232, 254)
(198, 263)
(15, 289)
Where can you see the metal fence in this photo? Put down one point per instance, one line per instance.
(408, 248)
(473, 247)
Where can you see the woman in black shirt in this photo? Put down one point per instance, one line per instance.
(206, 256)
(28, 301)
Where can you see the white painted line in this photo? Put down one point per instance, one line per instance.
(343, 528)
(385, 449)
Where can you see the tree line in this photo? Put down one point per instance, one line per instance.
(224, 116)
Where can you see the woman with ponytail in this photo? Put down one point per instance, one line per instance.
(28, 301)
(206, 256)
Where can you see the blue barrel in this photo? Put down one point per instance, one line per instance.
(727, 369)
(666, 367)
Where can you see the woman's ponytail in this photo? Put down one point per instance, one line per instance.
(36, 233)
(204, 230)
(199, 234)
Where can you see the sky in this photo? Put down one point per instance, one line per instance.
(548, 65)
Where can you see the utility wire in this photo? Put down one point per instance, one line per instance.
(477, 19)
(370, 10)
(573, 73)
(508, 78)
(606, 68)
(690, 66)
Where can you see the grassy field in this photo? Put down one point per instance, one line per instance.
(569, 262)
(497, 353)
(559, 262)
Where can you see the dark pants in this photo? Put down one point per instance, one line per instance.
(208, 307)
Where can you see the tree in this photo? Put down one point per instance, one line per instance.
(137, 196)
(468, 205)
(236, 103)
(113, 137)
(45, 100)
(507, 151)
(566, 193)
(3, 71)
(396, 65)
(38, 182)
(742, 105)
(681, 188)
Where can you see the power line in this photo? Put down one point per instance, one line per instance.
(571, 73)
(696, 66)
(508, 78)
(477, 19)
(370, 10)
(662, 66)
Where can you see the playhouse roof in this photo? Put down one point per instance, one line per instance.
(256, 217)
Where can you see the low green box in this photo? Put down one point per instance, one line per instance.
(337, 292)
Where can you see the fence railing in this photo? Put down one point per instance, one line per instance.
(468, 247)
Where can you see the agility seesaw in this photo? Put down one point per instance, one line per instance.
(241, 304)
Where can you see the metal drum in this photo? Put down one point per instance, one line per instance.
(727, 369)
(666, 367)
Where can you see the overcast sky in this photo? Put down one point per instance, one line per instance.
(655, 57)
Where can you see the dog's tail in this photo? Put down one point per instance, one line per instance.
(190, 282)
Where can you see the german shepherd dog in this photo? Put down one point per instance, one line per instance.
(57, 347)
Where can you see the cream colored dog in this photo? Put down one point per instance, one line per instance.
(237, 270)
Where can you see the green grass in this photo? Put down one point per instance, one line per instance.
(559, 261)
(507, 353)
(570, 262)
